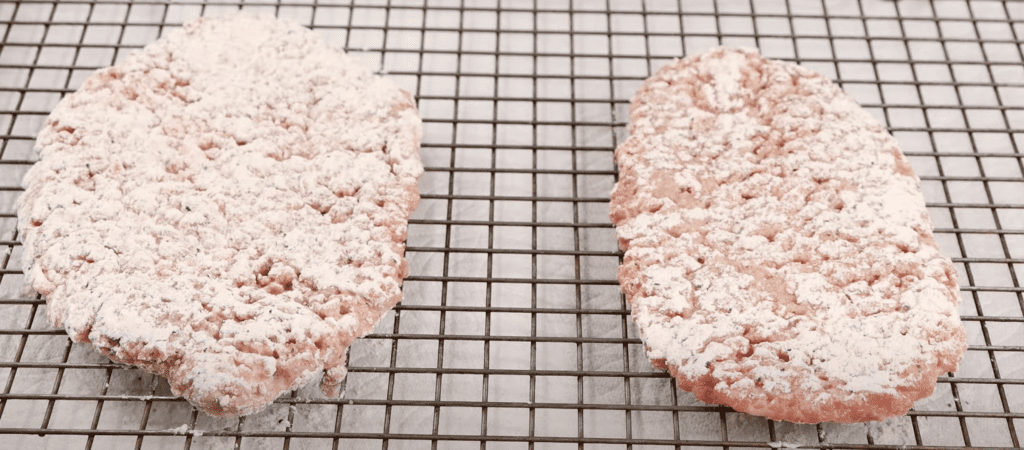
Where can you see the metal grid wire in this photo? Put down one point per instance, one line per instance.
(513, 333)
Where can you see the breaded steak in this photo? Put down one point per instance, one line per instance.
(779, 258)
(226, 208)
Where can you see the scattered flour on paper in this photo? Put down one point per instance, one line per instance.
(179, 430)
(894, 431)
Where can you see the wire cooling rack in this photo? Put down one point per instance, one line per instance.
(513, 333)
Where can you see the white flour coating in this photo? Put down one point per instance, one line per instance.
(779, 258)
(226, 208)
(183, 429)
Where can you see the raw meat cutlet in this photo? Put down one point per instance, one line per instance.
(779, 258)
(226, 208)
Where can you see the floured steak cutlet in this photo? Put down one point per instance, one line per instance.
(226, 208)
(779, 258)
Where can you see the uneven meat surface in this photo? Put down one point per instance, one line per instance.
(779, 258)
(226, 208)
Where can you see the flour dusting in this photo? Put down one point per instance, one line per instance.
(779, 258)
(226, 208)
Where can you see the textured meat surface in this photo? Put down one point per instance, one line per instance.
(779, 258)
(226, 208)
